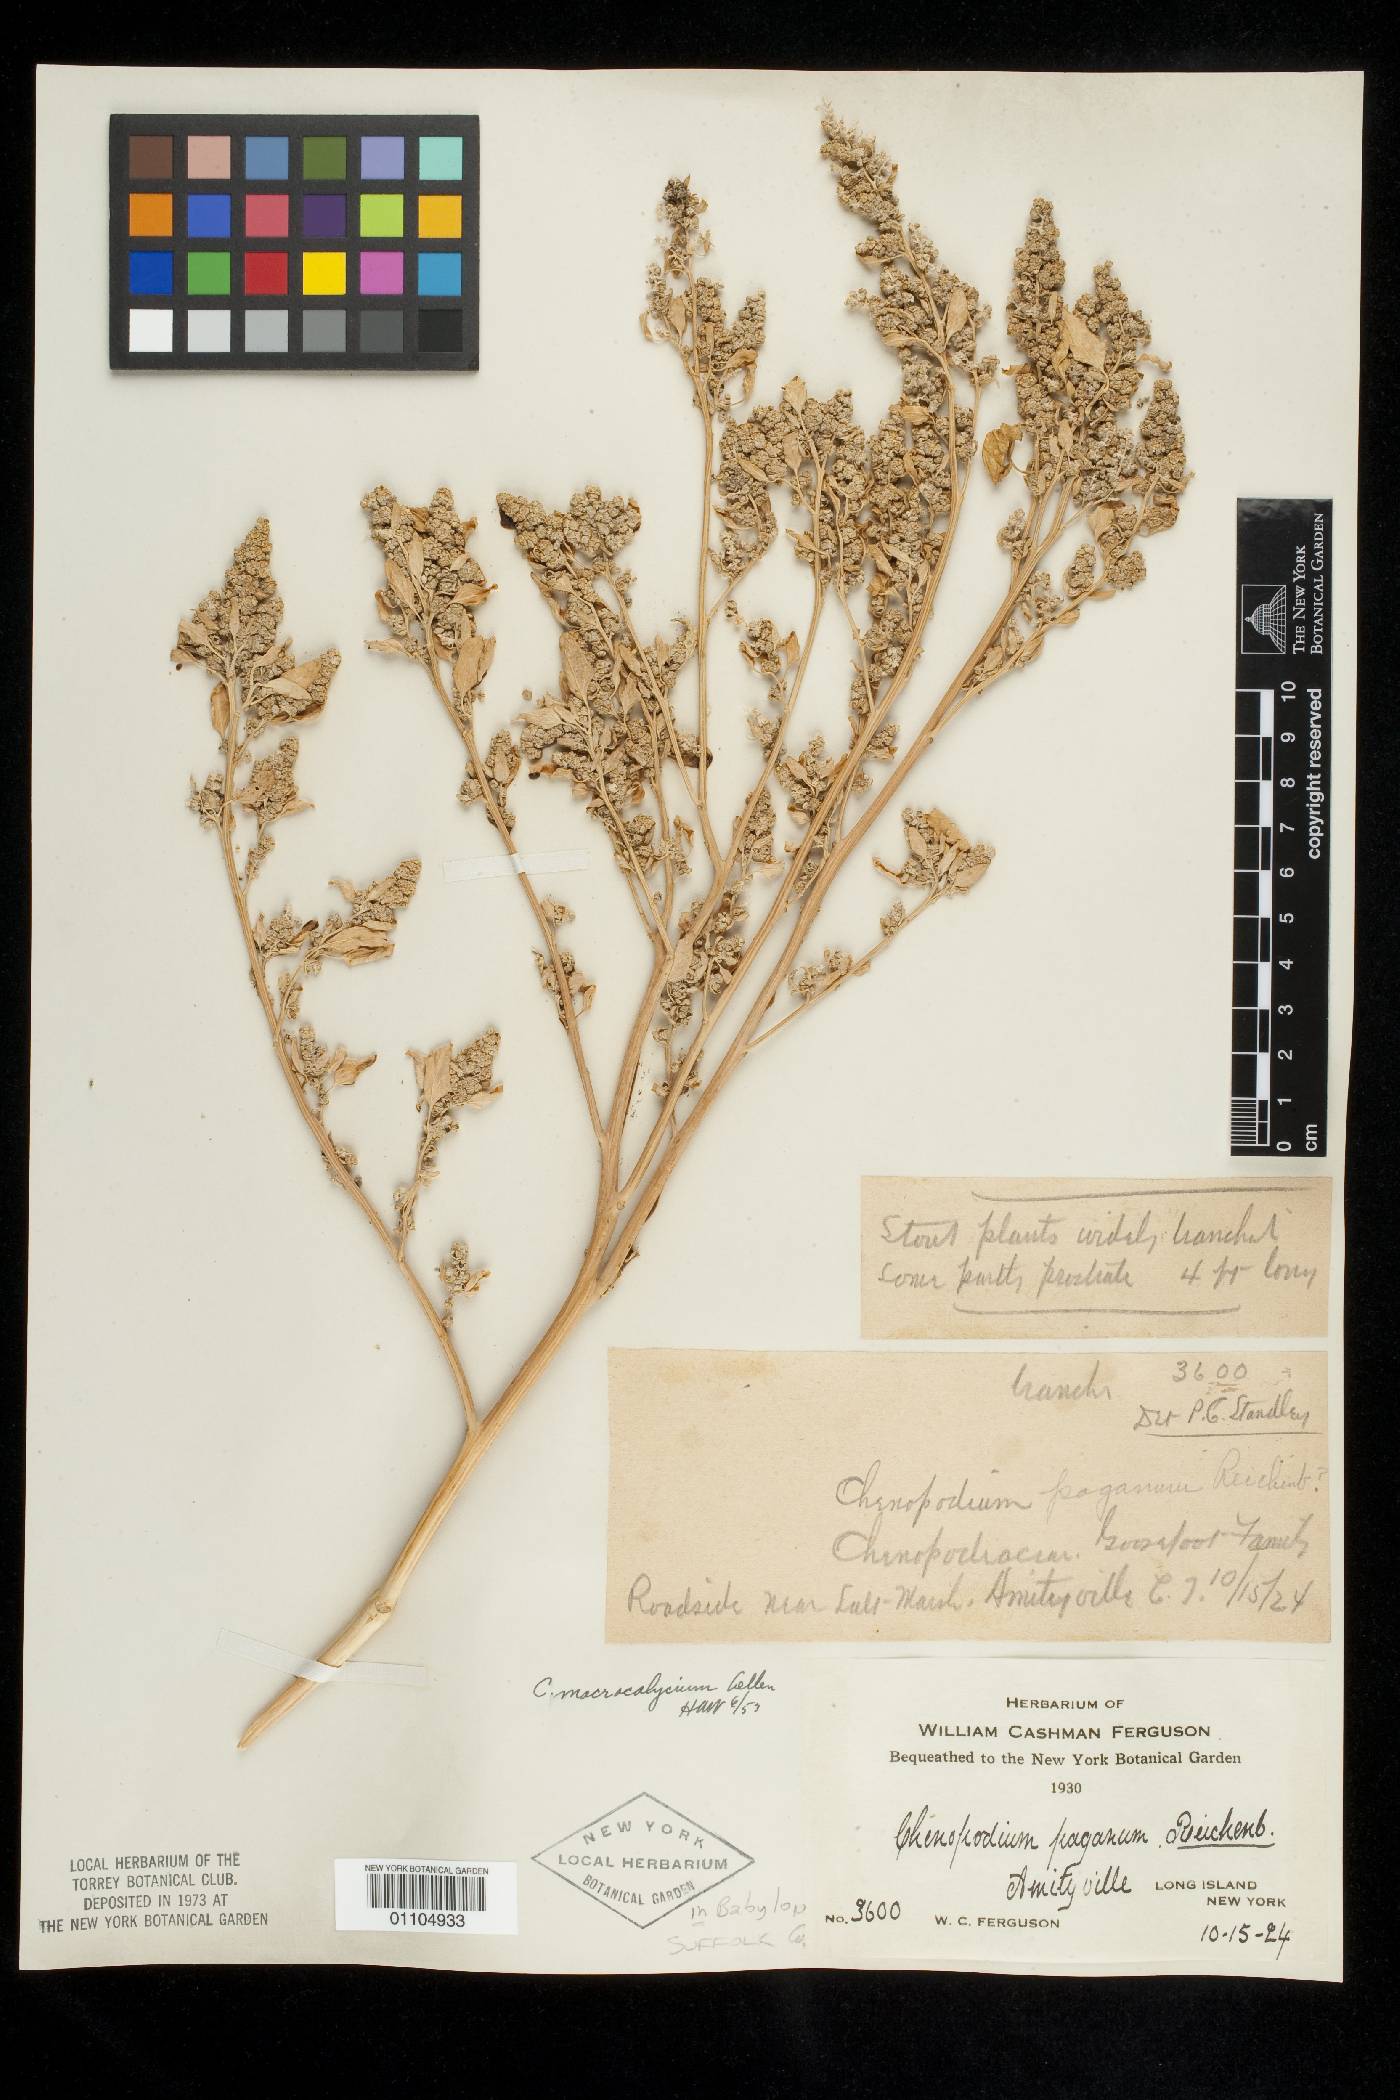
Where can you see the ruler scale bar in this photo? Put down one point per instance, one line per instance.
(1282, 827)
(1249, 1091)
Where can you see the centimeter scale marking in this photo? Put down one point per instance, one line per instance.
(1278, 1048)
(1251, 1012)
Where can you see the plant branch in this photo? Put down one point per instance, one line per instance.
(834, 794)
(858, 969)
(466, 731)
(325, 1144)
(374, 1614)
(837, 856)
(892, 516)
(702, 629)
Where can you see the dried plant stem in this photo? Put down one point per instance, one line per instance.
(770, 757)
(541, 917)
(702, 630)
(954, 698)
(858, 969)
(834, 799)
(587, 1287)
(614, 1240)
(335, 1166)
(375, 1613)
(747, 1038)
(667, 714)
(882, 514)
(610, 1248)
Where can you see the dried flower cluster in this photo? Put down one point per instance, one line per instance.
(629, 724)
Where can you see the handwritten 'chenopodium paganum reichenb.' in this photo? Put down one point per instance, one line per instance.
(729, 914)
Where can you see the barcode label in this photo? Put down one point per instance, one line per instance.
(425, 1895)
(398, 1889)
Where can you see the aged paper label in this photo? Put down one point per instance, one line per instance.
(994, 1260)
(1062, 1814)
(1116, 1496)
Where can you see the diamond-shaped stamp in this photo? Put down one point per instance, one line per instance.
(643, 1859)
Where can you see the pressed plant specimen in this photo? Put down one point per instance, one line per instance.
(728, 912)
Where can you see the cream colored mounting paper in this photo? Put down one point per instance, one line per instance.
(234, 1418)
(874, 1497)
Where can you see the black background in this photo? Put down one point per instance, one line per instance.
(172, 2031)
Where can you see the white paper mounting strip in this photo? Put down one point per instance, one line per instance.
(482, 866)
(320, 1673)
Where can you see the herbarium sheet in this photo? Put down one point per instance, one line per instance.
(692, 943)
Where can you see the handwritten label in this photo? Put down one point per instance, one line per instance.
(1056, 1814)
(993, 1260)
(1119, 1496)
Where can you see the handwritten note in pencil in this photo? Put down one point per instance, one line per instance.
(968, 1495)
(996, 1260)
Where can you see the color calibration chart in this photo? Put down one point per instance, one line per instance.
(294, 243)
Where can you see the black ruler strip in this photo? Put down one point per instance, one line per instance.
(1283, 825)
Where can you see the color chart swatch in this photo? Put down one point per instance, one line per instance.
(294, 243)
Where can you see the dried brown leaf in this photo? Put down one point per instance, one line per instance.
(359, 944)
(969, 872)
(997, 448)
(578, 665)
(472, 664)
(1082, 341)
(344, 1070)
(434, 1072)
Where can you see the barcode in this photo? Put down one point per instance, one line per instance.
(375, 1894)
(449, 1892)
